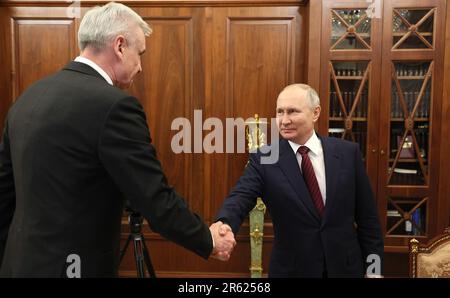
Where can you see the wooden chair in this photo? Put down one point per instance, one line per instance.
(432, 260)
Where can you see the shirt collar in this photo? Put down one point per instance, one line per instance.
(313, 143)
(96, 67)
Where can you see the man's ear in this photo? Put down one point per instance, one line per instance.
(316, 113)
(118, 45)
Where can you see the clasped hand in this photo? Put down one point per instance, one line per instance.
(224, 241)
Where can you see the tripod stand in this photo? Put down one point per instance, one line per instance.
(141, 256)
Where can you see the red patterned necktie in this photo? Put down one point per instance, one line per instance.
(311, 181)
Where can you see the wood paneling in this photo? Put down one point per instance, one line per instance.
(396, 265)
(35, 42)
(314, 42)
(255, 55)
(6, 63)
(444, 178)
(257, 71)
(165, 90)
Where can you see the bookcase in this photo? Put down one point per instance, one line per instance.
(381, 73)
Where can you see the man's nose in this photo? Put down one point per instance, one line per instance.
(285, 119)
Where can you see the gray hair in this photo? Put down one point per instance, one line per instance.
(102, 24)
(311, 94)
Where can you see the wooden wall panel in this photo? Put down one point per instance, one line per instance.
(6, 63)
(444, 178)
(255, 53)
(314, 41)
(257, 72)
(165, 90)
(35, 42)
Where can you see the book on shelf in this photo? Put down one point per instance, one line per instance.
(397, 111)
(408, 226)
(335, 132)
(410, 98)
(348, 98)
(407, 70)
(416, 217)
(407, 176)
(361, 108)
(335, 107)
(424, 104)
(365, 100)
(394, 103)
(346, 101)
(393, 213)
(405, 171)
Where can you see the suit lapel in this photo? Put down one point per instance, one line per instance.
(289, 165)
(331, 159)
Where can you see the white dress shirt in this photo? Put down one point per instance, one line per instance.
(94, 66)
(316, 156)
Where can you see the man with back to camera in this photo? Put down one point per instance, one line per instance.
(318, 195)
(73, 147)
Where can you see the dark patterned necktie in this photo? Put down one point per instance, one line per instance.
(311, 181)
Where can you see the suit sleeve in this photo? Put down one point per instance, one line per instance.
(126, 152)
(243, 196)
(7, 191)
(369, 230)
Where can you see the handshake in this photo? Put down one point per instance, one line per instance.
(224, 241)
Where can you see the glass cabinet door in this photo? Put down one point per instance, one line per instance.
(350, 29)
(411, 102)
(409, 133)
(413, 28)
(350, 57)
(349, 101)
(408, 168)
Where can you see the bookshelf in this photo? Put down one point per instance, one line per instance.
(381, 86)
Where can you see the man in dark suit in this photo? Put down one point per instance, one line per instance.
(74, 146)
(318, 195)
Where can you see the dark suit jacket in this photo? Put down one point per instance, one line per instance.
(305, 245)
(73, 148)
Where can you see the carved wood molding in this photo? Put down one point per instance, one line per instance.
(157, 3)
